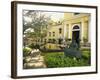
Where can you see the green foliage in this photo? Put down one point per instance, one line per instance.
(38, 21)
(59, 60)
(31, 46)
(26, 51)
(34, 46)
(86, 54)
(86, 49)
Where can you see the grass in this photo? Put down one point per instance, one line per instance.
(58, 59)
(86, 53)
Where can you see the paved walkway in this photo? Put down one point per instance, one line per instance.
(34, 60)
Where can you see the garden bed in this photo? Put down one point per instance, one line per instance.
(58, 59)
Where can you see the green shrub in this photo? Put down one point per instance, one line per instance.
(53, 60)
(86, 49)
(86, 54)
(31, 46)
(34, 46)
(26, 51)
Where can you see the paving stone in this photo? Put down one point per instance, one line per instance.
(34, 62)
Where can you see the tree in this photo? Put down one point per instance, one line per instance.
(36, 20)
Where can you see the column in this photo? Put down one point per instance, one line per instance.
(82, 30)
(65, 31)
(70, 31)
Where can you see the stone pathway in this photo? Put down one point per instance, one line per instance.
(34, 60)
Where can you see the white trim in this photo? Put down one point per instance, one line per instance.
(76, 30)
(21, 72)
(77, 24)
(65, 30)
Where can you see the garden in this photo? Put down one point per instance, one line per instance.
(54, 59)
(58, 59)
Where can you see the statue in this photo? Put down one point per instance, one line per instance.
(73, 50)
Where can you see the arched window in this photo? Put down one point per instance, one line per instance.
(76, 27)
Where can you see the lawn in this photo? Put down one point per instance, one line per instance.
(58, 59)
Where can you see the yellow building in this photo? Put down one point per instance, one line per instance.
(54, 36)
(76, 26)
(55, 33)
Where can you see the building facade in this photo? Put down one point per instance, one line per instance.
(55, 33)
(77, 26)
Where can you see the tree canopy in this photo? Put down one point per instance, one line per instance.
(36, 20)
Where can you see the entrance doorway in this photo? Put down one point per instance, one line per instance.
(76, 34)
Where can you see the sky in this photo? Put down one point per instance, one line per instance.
(55, 16)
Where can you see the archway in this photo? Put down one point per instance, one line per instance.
(76, 34)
